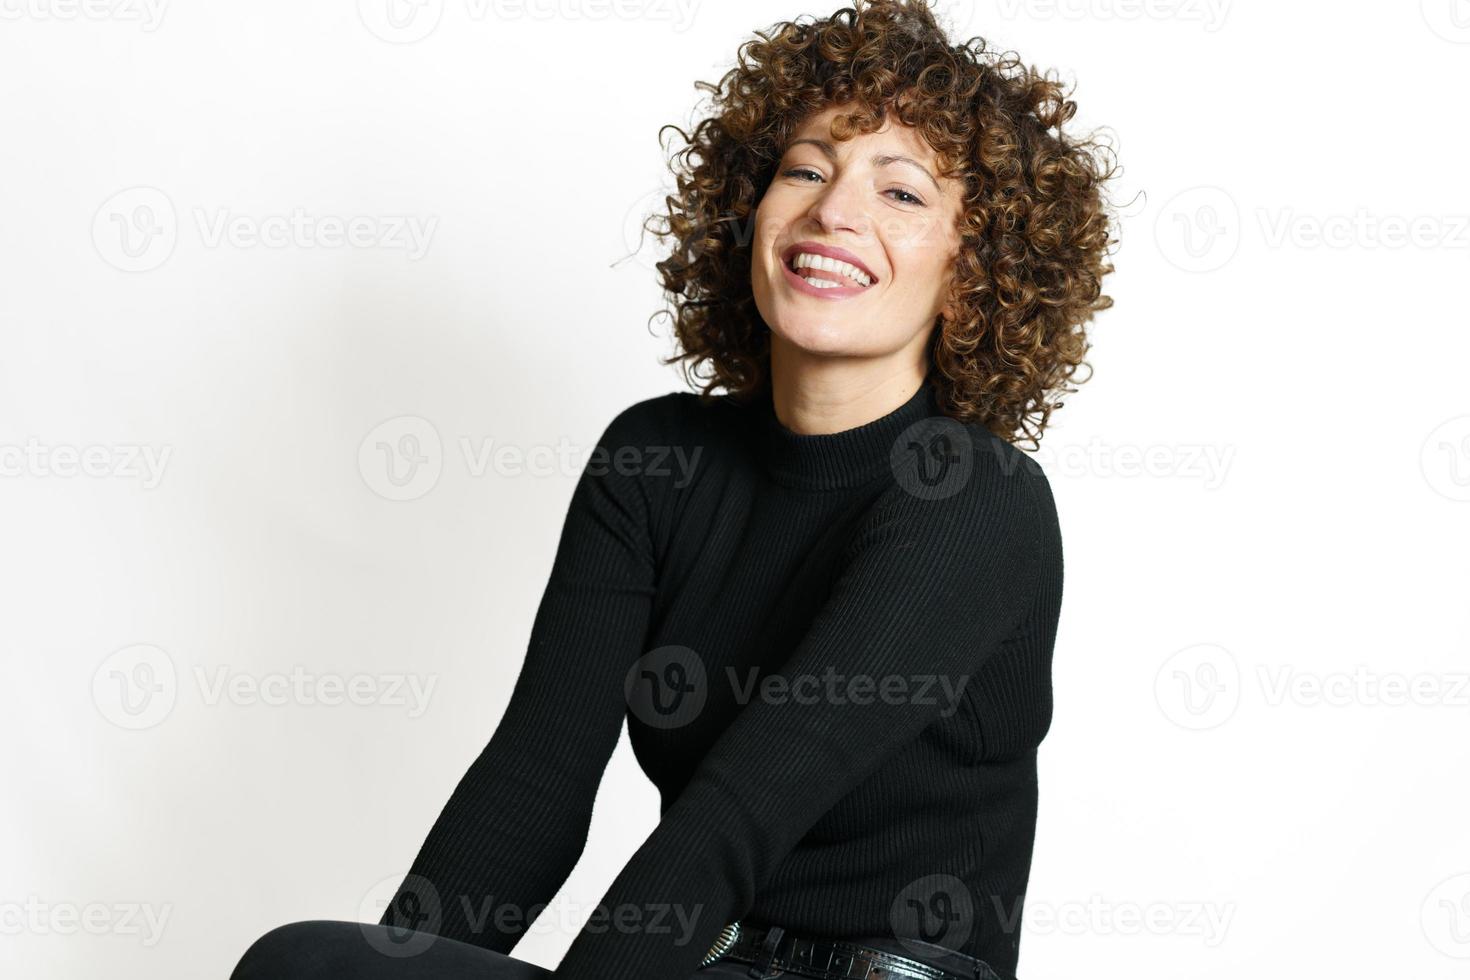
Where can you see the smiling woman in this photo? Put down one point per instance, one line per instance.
(940, 171)
(876, 192)
(831, 637)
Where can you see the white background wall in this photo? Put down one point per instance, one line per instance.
(1233, 784)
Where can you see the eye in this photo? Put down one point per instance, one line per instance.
(906, 197)
(912, 198)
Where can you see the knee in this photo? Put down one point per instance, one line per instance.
(298, 951)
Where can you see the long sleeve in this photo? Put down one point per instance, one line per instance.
(517, 822)
(929, 589)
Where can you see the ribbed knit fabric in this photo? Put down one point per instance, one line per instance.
(833, 653)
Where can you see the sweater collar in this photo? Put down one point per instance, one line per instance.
(827, 461)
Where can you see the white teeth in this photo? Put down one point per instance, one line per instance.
(807, 259)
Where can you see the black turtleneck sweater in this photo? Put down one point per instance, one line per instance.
(833, 653)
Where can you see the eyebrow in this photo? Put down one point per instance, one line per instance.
(881, 160)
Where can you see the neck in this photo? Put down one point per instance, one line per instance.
(814, 394)
(844, 456)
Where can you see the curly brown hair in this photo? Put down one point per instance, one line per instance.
(1034, 233)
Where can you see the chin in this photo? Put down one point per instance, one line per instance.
(821, 334)
(814, 330)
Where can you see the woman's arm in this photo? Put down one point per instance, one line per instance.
(517, 822)
(929, 591)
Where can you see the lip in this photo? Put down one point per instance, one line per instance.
(821, 292)
(831, 252)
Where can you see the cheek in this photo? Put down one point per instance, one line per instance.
(759, 250)
(920, 269)
(770, 221)
(765, 231)
(923, 259)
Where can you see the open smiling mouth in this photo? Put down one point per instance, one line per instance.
(825, 276)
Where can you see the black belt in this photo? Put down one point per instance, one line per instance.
(777, 951)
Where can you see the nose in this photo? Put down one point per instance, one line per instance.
(841, 207)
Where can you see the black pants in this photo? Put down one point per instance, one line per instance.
(322, 948)
(319, 949)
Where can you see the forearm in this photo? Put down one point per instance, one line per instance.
(517, 822)
(499, 850)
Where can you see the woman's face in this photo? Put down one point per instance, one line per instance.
(875, 202)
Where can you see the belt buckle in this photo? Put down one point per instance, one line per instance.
(722, 944)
